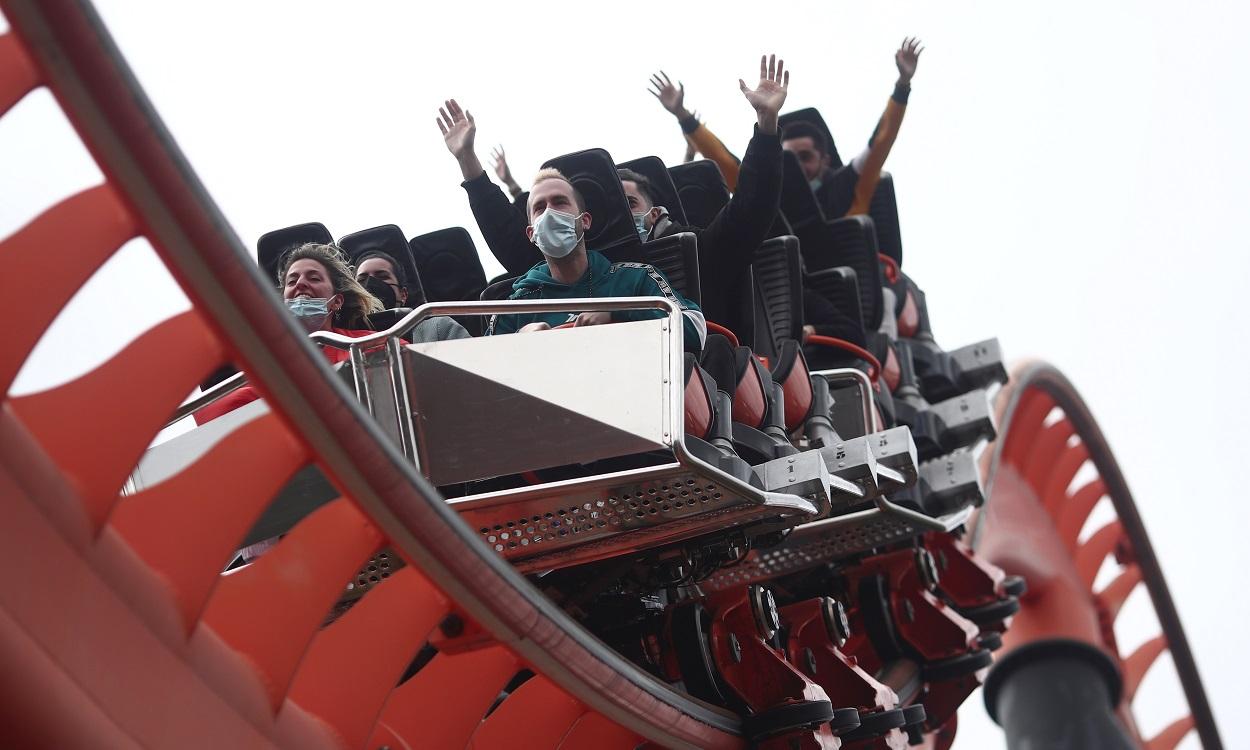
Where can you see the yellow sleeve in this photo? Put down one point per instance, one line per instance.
(711, 148)
(866, 185)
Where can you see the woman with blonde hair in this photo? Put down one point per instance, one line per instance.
(321, 289)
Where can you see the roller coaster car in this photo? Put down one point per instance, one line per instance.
(733, 551)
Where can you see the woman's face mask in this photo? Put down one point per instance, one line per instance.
(555, 233)
(311, 312)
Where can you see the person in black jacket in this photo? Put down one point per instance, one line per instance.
(728, 242)
(725, 245)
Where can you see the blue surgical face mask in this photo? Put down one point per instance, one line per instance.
(311, 312)
(555, 233)
(640, 223)
(816, 183)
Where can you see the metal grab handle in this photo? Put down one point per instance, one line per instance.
(844, 374)
(492, 307)
(432, 309)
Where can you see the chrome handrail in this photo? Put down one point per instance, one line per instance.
(481, 307)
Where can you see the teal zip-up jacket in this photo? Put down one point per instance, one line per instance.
(603, 278)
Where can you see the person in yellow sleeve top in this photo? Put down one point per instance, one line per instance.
(847, 190)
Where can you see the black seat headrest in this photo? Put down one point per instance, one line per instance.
(273, 245)
(498, 289)
(449, 265)
(389, 240)
(701, 189)
(612, 230)
(812, 116)
(884, 213)
(663, 188)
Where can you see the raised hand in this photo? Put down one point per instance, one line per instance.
(499, 162)
(770, 94)
(458, 128)
(907, 58)
(670, 96)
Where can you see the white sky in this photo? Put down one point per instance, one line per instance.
(1070, 176)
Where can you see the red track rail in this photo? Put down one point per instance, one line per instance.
(119, 548)
(1030, 526)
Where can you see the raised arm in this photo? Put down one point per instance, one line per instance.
(871, 161)
(503, 227)
(459, 130)
(766, 98)
(697, 135)
(731, 239)
(499, 162)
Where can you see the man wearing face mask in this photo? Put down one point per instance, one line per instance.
(847, 190)
(725, 245)
(558, 224)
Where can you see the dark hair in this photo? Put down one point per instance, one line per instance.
(644, 184)
(401, 273)
(806, 130)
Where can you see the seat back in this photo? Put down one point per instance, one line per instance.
(840, 286)
(498, 289)
(778, 271)
(391, 241)
(677, 257)
(855, 245)
(273, 245)
(662, 186)
(450, 268)
(701, 188)
(884, 213)
(386, 318)
(811, 115)
(612, 230)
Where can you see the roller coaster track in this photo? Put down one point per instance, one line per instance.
(116, 627)
(1031, 524)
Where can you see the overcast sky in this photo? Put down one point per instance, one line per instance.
(1071, 179)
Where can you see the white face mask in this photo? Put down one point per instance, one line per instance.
(555, 233)
(311, 312)
(640, 223)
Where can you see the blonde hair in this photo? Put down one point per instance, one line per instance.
(358, 303)
(551, 173)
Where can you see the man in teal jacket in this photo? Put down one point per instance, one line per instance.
(558, 225)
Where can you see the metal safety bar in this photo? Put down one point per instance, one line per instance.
(356, 346)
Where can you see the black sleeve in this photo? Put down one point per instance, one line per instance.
(731, 239)
(503, 227)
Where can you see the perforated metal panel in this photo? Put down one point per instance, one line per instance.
(565, 523)
(815, 544)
